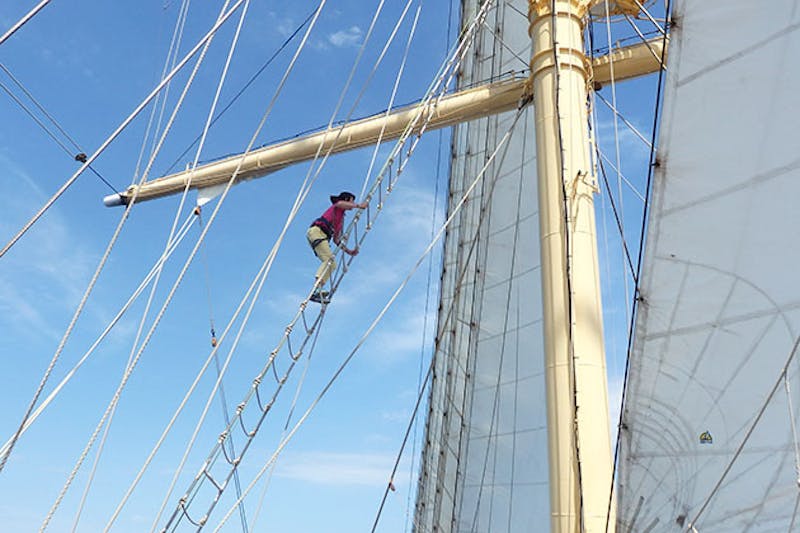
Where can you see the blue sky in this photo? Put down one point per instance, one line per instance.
(90, 64)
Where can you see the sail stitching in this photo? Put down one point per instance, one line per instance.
(753, 425)
(740, 54)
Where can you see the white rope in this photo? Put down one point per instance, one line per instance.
(394, 91)
(301, 194)
(305, 189)
(145, 282)
(625, 121)
(21, 22)
(618, 166)
(177, 39)
(649, 16)
(374, 323)
(750, 430)
(155, 152)
(285, 428)
(398, 77)
(644, 40)
(133, 359)
(794, 429)
(258, 281)
(114, 135)
(173, 46)
(128, 367)
(625, 180)
(111, 244)
(434, 86)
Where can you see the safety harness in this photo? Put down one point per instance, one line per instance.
(326, 227)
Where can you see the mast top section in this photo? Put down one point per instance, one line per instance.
(596, 8)
(617, 7)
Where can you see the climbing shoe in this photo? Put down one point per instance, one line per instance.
(321, 297)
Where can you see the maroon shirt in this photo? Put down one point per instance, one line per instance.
(335, 217)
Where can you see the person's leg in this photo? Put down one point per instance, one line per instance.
(323, 252)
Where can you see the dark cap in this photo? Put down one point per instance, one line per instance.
(342, 196)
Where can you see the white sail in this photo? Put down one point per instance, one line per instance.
(720, 306)
(485, 462)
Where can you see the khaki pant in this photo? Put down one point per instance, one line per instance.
(323, 252)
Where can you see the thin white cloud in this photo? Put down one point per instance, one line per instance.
(285, 28)
(340, 469)
(401, 415)
(404, 337)
(50, 255)
(346, 38)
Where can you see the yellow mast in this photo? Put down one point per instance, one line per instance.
(577, 412)
(575, 369)
(457, 108)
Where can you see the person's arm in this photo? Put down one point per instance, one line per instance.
(344, 248)
(346, 205)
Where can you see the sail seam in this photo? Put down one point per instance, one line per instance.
(754, 424)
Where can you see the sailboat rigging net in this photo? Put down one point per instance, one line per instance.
(707, 436)
(484, 463)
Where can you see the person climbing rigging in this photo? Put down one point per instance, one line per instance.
(322, 230)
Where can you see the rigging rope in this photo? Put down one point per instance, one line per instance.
(244, 87)
(110, 410)
(409, 503)
(794, 429)
(568, 264)
(372, 326)
(639, 263)
(145, 282)
(444, 428)
(644, 39)
(617, 152)
(21, 22)
(504, 331)
(258, 281)
(223, 400)
(398, 77)
(113, 136)
(77, 156)
(737, 453)
(411, 423)
(394, 88)
(624, 121)
(174, 44)
(438, 85)
(662, 31)
(442, 327)
(289, 417)
(473, 335)
(304, 190)
(618, 220)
